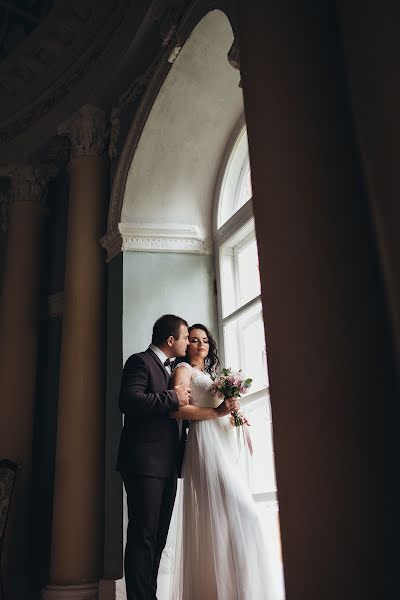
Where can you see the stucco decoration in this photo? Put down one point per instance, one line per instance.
(52, 60)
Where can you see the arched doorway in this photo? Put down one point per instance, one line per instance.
(168, 227)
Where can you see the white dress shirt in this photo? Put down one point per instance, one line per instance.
(163, 357)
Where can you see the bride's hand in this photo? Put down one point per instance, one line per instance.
(234, 404)
(228, 406)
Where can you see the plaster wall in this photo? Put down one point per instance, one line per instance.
(158, 283)
(174, 171)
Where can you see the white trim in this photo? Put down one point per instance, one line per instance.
(238, 220)
(242, 309)
(258, 396)
(156, 237)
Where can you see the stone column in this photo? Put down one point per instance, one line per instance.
(19, 317)
(78, 512)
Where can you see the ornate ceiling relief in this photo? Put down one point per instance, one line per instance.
(18, 20)
(48, 64)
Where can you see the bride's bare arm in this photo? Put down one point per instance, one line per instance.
(181, 378)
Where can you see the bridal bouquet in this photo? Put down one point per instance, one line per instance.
(230, 384)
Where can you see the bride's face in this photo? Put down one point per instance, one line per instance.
(199, 345)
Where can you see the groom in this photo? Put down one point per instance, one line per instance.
(151, 451)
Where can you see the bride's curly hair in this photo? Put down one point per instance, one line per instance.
(212, 360)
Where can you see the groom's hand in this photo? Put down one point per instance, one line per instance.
(183, 394)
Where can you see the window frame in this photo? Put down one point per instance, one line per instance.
(241, 223)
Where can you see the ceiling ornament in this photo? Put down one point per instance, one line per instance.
(49, 64)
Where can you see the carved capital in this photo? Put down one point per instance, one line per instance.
(87, 131)
(29, 183)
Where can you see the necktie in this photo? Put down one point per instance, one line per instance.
(167, 363)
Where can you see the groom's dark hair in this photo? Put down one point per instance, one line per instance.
(165, 326)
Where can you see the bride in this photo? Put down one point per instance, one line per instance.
(220, 551)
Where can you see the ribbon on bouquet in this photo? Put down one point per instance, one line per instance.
(246, 439)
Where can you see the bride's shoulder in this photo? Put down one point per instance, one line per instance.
(186, 365)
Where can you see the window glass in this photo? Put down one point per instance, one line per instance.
(236, 183)
(239, 270)
(244, 343)
(244, 191)
(248, 271)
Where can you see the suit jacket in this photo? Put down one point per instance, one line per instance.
(150, 443)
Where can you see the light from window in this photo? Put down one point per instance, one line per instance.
(245, 346)
(248, 271)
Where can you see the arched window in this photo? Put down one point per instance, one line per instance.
(241, 326)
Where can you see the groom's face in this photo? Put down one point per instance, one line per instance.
(180, 345)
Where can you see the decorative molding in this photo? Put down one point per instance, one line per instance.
(112, 242)
(168, 27)
(87, 131)
(70, 592)
(115, 127)
(156, 237)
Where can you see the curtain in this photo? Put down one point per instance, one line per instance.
(321, 92)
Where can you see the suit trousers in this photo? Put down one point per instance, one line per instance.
(150, 504)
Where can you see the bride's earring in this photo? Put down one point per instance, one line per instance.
(207, 364)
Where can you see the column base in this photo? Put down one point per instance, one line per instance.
(111, 589)
(71, 592)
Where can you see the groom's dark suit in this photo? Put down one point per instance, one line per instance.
(149, 458)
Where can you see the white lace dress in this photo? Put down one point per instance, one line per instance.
(220, 551)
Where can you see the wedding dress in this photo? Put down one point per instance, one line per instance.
(220, 551)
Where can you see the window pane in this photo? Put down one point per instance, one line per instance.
(239, 269)
(245, 192)
(248, 272)
(245, 346)
(235, 180)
